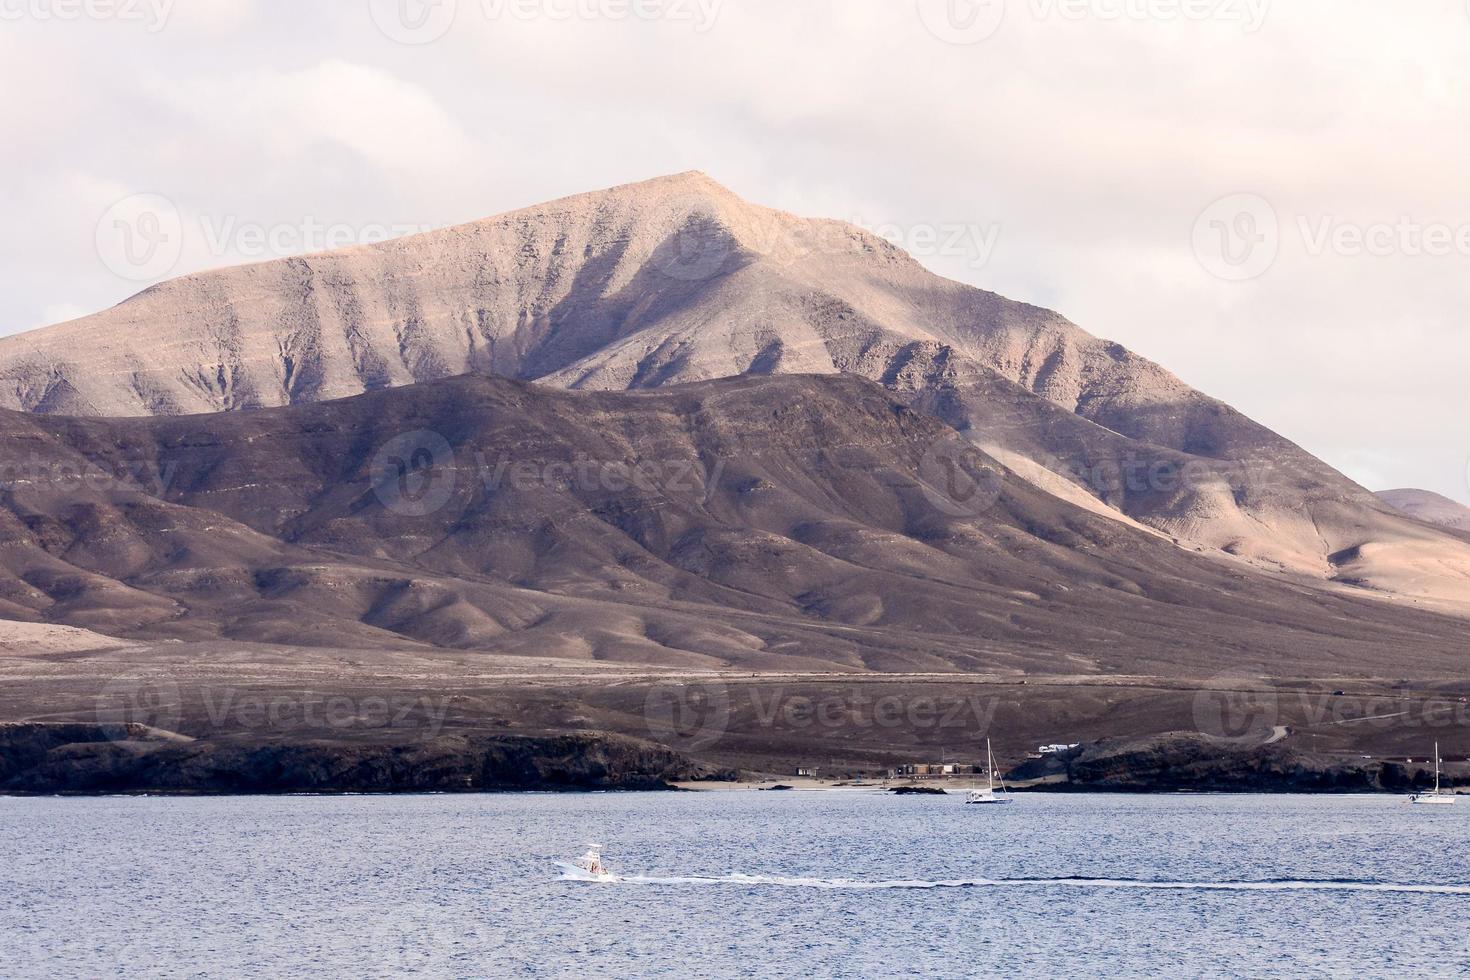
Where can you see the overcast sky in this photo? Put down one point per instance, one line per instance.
(1268, 198)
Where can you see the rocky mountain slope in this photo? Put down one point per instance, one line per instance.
(677, 280)
(771, 523)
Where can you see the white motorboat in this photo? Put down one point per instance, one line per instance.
(588, 867)
(1438, 797)
(991, 793)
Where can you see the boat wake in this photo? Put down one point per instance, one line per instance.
(779, 881)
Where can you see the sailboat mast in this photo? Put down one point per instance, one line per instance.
(1436, 768)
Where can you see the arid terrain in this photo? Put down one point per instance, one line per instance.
(763, 724)
(657, 462)
(676, 280)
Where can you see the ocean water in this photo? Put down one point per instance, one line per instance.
(738, 883)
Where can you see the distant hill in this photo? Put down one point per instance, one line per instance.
(1429, 507)
(808, 523)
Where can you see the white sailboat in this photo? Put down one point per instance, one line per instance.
(991, 793)
(1438, 797)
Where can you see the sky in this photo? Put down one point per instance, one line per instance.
(1268, 198)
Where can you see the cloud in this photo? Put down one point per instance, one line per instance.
(390, 123)
(1092, 144)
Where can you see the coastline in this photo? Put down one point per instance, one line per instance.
(62, 759)
(57, 759)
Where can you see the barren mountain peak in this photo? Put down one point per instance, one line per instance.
(677, 279)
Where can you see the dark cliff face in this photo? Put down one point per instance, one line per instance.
(1185, 762)
(80, 758)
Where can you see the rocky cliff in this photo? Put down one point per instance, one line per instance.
(1192, 762)
(90, 758)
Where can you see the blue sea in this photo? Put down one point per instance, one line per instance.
(741, 883)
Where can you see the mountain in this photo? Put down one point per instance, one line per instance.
(677, 280)
(1429, 507)
(766, 523)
